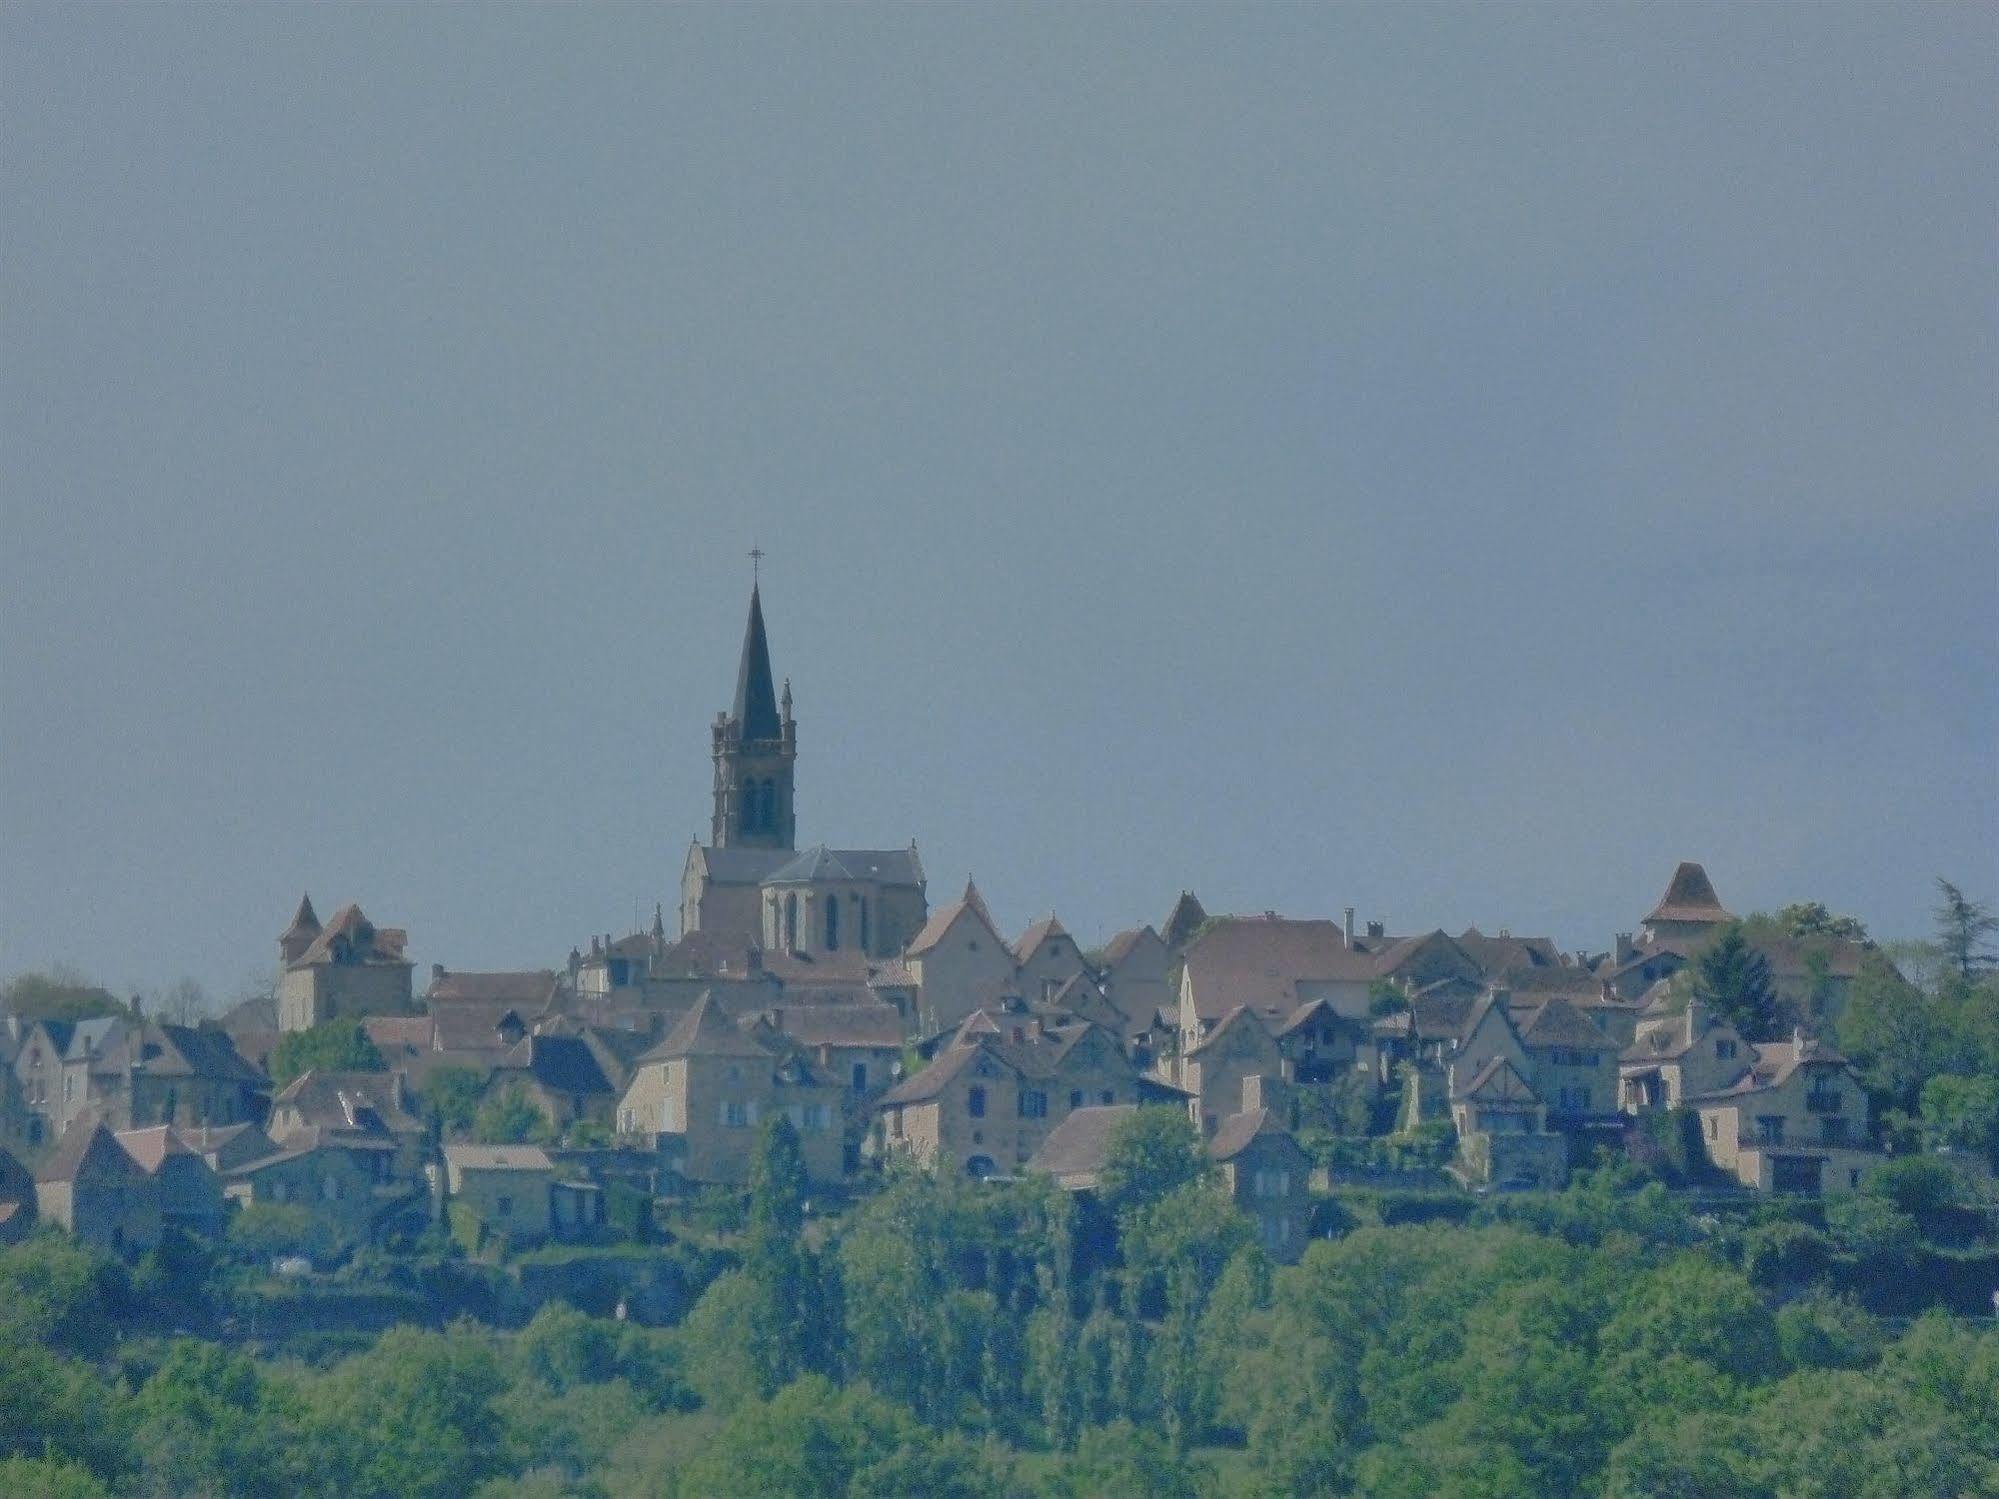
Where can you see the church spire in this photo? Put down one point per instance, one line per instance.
(755, 708)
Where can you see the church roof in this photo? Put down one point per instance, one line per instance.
(755, 709)
(1690, 897)
(814, 865)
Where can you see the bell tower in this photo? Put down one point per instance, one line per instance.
(755, 745)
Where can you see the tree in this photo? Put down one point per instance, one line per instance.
(184, 1002)
(777, 1267)
(1962, 1113)
(1732, 979)
(1811, 919)
(337, 1046)
(1151, 1153)
(453, 1095)
(1964, 931)
(509, 1117)
(60, 994)
(264, 1230)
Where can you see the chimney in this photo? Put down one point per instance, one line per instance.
(399, 1090)
(1625, 951)
(575, 962)
(1376, 929)
(436, 972)
(1349, 926)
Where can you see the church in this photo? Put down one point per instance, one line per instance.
(751, 882)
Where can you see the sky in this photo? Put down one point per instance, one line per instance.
(1452, 462)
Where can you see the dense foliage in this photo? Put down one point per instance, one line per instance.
(337, 1046)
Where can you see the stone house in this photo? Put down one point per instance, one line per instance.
(1258, 1165)
(144, 1074)
(1269, 965)
(1136, 977)
(960, 964)
(93, 1188)
(1045, 958)
(1502, 1126)
(860, 1045)
(1571, 1063)
(1266, 1174)
(190, 1193)
(561, 1076)
(1213, 1070)
(700, 1094)
(1795, 1120)
(507, 1189)
(347, 969)
(336, 1180)
(1677, 1055)
(370, 1114)
(986, 1101)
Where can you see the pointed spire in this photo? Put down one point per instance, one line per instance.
(306, 922)
(755, 709)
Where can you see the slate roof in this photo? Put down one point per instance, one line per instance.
(1689, 897)
(305, 921)
(563, 1064)
(755, 706)
(473, 1025)
(817, 863)
(347, 1100)
(737, 866)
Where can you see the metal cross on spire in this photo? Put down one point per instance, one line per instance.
(756, 564)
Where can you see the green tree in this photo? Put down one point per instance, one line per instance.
(1151, 1152)
(1823, 1331)
(60, 994)
(1962, 1113)
(453, 1096)
(49, 1478)
(264, 1230)
(1811, 919)
(773, 1259)
(58, 1293)
(509, 1117)
(337, 1046)
(1733, 980)
(1964, 930)
(205, 1423)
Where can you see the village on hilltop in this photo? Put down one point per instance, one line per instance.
(819, 984)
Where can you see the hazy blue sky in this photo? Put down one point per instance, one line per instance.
(1450, 462)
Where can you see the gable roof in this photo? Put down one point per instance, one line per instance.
(945, 1066)
(971, 905)
(1505, 952)
(1241, 1015)
(87, 1148)
(817, 863)
(1077, 1146)
(151, 1148)
(704, 1031)
(364, 1101)
(1498, 1081)
(876, 1025)
(1031, 939)
(565, 1064)
(1775, 1063)
(1689, 897)
(1124, 943)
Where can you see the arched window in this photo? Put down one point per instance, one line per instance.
(864, 923)
(791, 922)
(832, 923)
(768, 812)
(746, 810)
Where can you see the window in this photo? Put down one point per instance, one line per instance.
(504, 1206)
(1033, 1104)
(819, 1117)
(1769, 1129)
(791, 923)
(860, 1077)
(832, 923)
(735, 1115)
(975, 1103)
(1108, 1096)
(1833, 1131)
(1075, 1098)
(1271, 1183)
(1725, 1050)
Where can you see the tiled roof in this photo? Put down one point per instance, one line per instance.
(1689, 897)
(475, 1024)
(1076, 1147)
(564, 1064)
(498, 1158)
(1233, 1135)
(151, 1147)
(877, 1025)
(941, 922)
(305, 921)
(1505, 953)
(1259, 961)
(366, 943)
(87, 1148)
(1121, 945)
(1240, 1015)
(1774, 1064)
(932, 1080)
(1558, 1023)
(348, 1101)
(705, 1031)
(531, 987)
(1048, 926)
